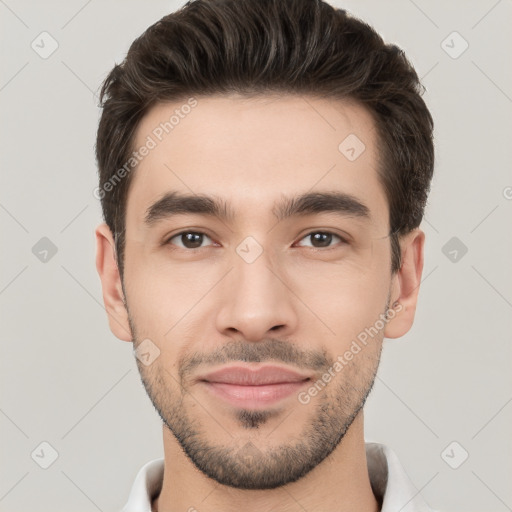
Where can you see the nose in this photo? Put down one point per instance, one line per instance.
(256, 302)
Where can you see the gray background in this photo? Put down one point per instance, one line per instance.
(66, 380)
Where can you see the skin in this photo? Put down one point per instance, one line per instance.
(294, 300)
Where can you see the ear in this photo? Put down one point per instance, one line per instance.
(113, 295)
(406, 284)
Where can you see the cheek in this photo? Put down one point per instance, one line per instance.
(162, 294)
(348, 297)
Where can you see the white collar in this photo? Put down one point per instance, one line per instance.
(388, 479)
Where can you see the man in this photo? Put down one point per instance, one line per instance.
(264, 167)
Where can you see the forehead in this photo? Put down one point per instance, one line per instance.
(250, 151)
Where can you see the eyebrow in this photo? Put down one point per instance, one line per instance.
(175, 203)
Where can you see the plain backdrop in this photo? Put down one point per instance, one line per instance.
(444, 390)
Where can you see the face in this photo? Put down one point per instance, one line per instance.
(243, 297)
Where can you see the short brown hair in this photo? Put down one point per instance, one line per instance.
(266, 46)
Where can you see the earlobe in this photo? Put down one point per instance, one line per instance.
(406, 285)
(113, 296)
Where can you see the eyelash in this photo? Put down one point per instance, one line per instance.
(343, 240)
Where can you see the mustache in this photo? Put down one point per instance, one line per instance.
(271, 349)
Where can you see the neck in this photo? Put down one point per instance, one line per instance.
(339, 484)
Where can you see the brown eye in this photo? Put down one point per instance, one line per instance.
(321, 239)
(189, 239)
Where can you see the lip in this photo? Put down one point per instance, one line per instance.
(247, 376)
(253, 388)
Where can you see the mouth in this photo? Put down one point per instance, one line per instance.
(255, 388)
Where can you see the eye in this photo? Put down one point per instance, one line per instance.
(189, 239)
(321, 239)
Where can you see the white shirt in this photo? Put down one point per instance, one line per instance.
(388, 479)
